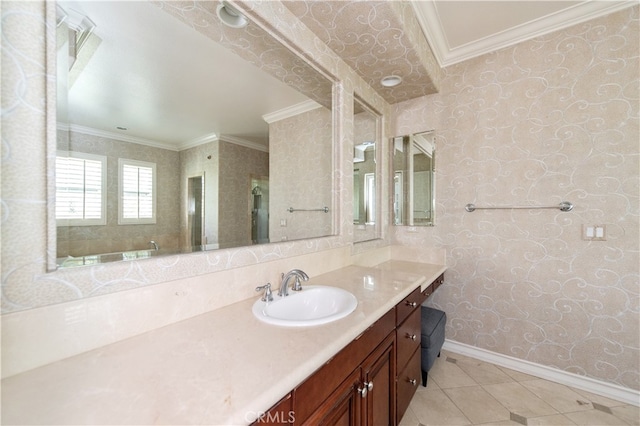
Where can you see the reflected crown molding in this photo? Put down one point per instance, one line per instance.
(244, 142)
(291, 111)
(115, 135)
(155, 144)
(212, 137)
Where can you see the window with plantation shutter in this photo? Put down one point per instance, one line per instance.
(80, 189)
(137, 192)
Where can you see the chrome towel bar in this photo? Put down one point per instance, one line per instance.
(564, 206)
(324, 209)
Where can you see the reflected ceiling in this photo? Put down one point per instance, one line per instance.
(165, 98)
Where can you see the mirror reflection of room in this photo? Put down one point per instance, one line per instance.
(414, 179)
(127, 107)
(365, 169)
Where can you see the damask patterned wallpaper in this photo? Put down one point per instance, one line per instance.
(552, 119)
(376, 39)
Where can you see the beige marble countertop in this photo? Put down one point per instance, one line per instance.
(220, 368)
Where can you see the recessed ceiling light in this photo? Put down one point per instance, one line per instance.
(230, 16)
(391, 80)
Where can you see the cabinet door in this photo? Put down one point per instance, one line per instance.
(379, 378)
(343, 407)
(320, 385)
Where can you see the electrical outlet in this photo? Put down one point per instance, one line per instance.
(594, 232)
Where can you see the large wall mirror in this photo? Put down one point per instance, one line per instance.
(414, 174)
(366, 172)
(177, 133)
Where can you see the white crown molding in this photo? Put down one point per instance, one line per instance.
(598, 387)
(427, 14)
(429, 20)
(244, 142)
(291, 111)
(117, 136)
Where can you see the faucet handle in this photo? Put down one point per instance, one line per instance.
(268, 295)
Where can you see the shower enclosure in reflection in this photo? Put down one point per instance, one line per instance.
(259, 210)
(195, 215)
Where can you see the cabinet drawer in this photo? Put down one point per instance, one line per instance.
(408, 382)
(432, 287)
(408, 337)
(408, 304)
(438, 282)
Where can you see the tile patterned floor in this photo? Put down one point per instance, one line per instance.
(465, 391)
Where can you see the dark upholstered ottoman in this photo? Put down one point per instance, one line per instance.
(433, 322)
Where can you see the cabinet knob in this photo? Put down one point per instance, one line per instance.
(412, 304)
(369, 386)
(414, 382)
(363, 391)
(411, 336)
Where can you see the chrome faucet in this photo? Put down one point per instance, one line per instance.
(155, 245)
(297, 273)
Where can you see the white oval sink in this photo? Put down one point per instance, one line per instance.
(313, 305)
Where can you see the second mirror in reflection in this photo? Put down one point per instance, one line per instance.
(414, 179)
(365, 172)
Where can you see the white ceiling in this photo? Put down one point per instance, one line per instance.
(460, 30)
(167, 84)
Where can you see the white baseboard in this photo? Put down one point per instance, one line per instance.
(608, 390)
